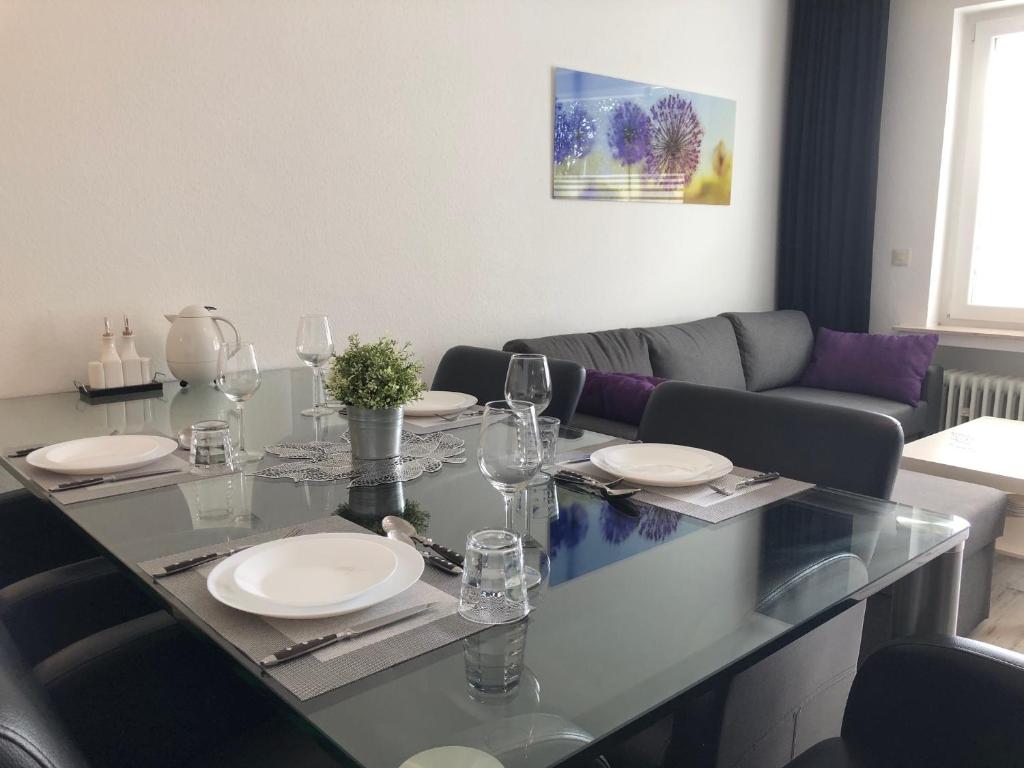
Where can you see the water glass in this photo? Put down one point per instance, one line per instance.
(494, 661)
(493, 578)
(314, 345)
(211, 450)
(529, 380)
(547, 427)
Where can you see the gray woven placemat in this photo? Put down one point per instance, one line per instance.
(341, 663)
(702, 503)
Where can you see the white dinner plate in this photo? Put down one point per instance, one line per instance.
(452, 757)
(221, 583)
(661, 464)
(438, 402)
(100, 455)
(316, 571)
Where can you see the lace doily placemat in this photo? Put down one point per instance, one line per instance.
(331, 462)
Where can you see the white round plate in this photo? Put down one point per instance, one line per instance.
(95, 455)
(452, 757)
(221, 583)
(308, 570)
(438, 402)
(661, 464)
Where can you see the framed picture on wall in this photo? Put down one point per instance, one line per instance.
(623, 140)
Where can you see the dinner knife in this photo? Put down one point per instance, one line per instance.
(90, 481)
(192, 562)
(308, 646)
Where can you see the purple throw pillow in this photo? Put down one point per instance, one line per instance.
(616, 396)
(886, 366)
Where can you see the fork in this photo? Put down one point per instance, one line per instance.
(194, 562)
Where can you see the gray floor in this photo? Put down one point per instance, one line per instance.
(1005, 625)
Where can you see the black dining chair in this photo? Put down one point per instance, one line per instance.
(143, 693)
(840, 448)
(36, 537)
(481, 372)
(943, 702)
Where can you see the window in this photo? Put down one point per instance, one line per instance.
(985, 242)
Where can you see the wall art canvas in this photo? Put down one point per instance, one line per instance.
(622, 140)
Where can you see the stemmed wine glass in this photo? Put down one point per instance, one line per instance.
(314, 346)
(238, 377)
(529, 380)
(509, 454)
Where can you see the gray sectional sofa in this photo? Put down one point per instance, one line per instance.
(764, 352)
(767, 352)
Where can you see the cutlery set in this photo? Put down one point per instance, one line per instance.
(610, 489)
(91, 481)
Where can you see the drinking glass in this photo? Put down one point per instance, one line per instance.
(210, 447)
(509, 453)
(493, 583)
(238, 377)
(314, 346)
(494, 661)
(528, 380)
(548, 429)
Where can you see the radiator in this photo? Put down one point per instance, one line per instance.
(967, 395)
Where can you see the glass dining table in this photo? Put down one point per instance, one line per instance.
(633, 615)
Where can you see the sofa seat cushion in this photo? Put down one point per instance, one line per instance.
(604, 426)
(701, 352)
(775, 347)
(620, 351)
(984, 508)
(913, 419)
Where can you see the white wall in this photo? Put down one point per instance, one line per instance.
(386, 162)
(910, 159)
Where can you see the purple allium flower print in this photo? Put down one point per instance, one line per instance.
(676, 136)
(570, 527)
(629, 133)
(658, 524)
(575, 131)
(615, 526)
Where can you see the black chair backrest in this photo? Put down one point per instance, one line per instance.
(481, 372)
(938, 702)
(840, 448)
(31, 734)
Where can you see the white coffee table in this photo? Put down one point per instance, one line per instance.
(987, 451)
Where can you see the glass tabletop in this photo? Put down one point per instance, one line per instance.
(636, 610)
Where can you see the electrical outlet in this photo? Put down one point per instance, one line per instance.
(900, 257)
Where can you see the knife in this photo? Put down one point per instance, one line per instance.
(764, 477)
(21, 453)
(90, 481)
(442, 564)
(192, 562)
(308, 646)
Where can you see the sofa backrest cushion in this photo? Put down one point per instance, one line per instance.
(619, 351)
(701, 352)
(775, 346)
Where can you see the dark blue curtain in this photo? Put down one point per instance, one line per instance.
(830, 160)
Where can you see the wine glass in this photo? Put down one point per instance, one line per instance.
(314, 346)
(529, 380)
(509, 454)
(238, 377)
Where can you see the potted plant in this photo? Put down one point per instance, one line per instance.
(374, 381)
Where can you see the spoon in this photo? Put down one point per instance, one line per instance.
(401, 525)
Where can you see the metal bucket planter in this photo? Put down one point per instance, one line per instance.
(375, 433)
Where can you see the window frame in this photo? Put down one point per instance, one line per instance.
(976, 48)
